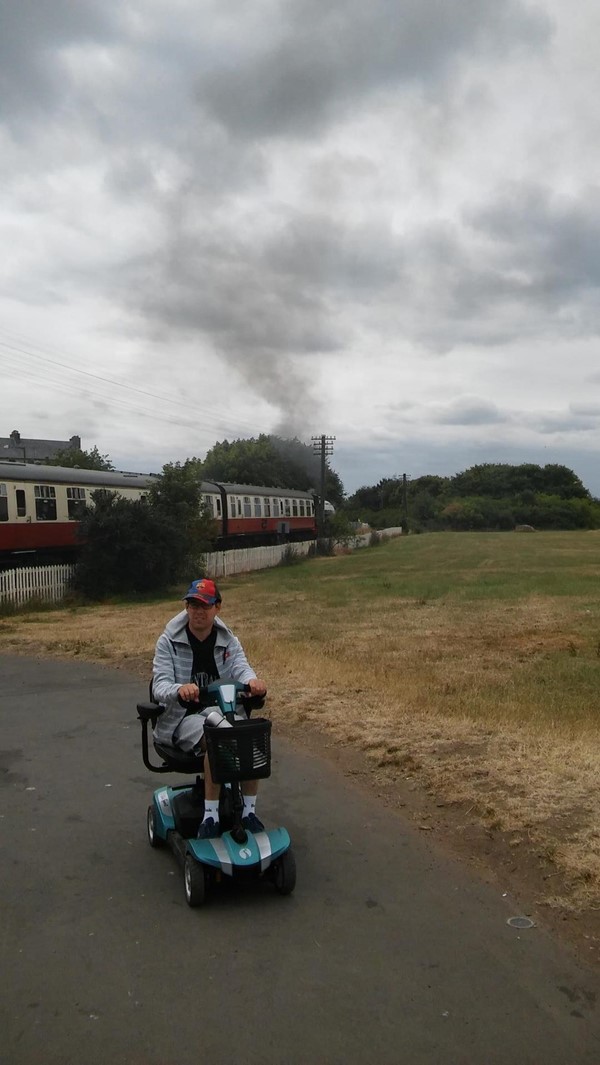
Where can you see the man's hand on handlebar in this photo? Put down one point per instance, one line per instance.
(188, 693)
(257, 686)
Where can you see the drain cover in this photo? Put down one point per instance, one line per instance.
(520, 922)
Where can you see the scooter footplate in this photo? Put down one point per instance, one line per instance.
(259, 850)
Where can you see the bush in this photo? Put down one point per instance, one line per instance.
(325, 546)
(134, 547)
(290, 556)
(146, 545)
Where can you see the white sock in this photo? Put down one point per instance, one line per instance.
(249, 805)
(211, 809)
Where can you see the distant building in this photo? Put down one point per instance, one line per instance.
(15, 447)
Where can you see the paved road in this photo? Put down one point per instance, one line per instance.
(387, 952)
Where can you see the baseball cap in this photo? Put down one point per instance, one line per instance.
(205, 590)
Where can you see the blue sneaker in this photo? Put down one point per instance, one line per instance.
(252, 824)
(209, 829)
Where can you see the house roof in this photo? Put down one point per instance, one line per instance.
(30, 449)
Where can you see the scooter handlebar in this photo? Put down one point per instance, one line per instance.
(208, 696)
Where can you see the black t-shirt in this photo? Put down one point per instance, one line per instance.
(204, 667)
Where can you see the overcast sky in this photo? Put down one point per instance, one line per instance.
(378, 221)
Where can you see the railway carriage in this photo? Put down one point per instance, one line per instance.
(248, 513)
(40, 508)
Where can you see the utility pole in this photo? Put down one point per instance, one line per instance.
(404, 504)
(323, 446)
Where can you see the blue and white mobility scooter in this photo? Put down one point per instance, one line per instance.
(237, 753)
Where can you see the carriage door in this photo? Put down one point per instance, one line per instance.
(21, 512)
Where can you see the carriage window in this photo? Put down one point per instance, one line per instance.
(21, 504)
(257, 507)
(218, 502)
(294, 508)
(247, 507)
(239, 508)
(286, 503)
(45, 502)
(208, 504)
(275, 508)
(3, 503)
(267, 503)
(301, 505)
(75, 503)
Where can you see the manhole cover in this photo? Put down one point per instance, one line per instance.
(520, 922)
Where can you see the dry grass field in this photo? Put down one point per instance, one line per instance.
(466, 666)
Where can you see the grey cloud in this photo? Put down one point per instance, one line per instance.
(346, 258)
(323, 58)
(469, 411)
(546, 247)
(585, 410)
(34, 36)
(526, 265)
(277, 68)
(564, 423)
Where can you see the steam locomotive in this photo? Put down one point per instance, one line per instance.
(41, 506)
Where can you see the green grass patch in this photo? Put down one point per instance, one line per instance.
(464, 566)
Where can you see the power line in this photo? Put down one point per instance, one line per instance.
(207, 418)
(21, 372)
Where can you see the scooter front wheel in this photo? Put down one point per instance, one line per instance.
(194, 882)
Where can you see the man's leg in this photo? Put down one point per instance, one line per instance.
(249, 818)
(210, 827)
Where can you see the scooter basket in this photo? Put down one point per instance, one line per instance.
(242, 752)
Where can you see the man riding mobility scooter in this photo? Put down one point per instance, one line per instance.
(237, 751)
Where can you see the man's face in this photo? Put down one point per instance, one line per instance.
(201, 617)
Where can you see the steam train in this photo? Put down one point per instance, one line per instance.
(41, 506)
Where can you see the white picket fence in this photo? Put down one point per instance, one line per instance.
(51, 583)
(48, 583)
(248, 559)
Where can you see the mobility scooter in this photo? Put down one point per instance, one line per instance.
(237, 753)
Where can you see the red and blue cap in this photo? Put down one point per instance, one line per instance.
(203, 590)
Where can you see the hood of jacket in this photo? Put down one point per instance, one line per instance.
(175, 630)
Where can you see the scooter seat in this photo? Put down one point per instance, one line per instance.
(178, 760)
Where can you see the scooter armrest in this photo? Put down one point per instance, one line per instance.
(149, 711)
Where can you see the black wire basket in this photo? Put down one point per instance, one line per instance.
(242, 752)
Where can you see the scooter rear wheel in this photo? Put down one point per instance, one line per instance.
(194, 882)
(284, 873)
(153, 839)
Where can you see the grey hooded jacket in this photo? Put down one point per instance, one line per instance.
(172, 667)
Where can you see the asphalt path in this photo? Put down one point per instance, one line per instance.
(387, 951)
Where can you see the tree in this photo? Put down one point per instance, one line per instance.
(177, 493)
(273, 462)
(502, 481)
(177, 497)
(76, 458)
